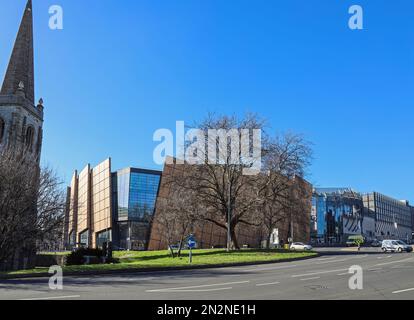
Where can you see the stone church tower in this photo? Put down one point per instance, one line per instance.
(21, 120)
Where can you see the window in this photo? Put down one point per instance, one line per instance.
(29, 138)
(72, 238)
(84, 239)
(2, 129)
(102, 237)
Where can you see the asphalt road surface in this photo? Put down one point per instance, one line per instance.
(385, 276)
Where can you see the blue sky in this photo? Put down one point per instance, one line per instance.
(122, 69)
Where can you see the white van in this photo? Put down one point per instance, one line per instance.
(395, 246)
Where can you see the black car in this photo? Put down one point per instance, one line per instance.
(376, 243)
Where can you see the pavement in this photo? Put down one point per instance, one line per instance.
(385, 276)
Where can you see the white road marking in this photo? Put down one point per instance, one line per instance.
(319, 272)
(266, 284)
(195, 290)
(401, 291)
(307, 279)
(195, 287)
(331, 261)
(51, 298)
(343, 274)
(324, 259)
(269, 268)
(398, 261)
(136, 279)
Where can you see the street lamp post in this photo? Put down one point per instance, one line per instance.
(228, 213)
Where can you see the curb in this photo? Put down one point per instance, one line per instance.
(154, 270)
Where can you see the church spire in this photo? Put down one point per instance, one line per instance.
(20, 72)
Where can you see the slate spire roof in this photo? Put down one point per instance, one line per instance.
(20, 72)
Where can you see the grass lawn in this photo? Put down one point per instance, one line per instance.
(162, 259)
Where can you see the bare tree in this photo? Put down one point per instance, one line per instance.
(221, 178)
(31, 206)
(178, 216)
(220, 183)
(283, 196)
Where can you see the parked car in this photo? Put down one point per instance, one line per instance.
(376, 243)
(300, 246)
(395, 246)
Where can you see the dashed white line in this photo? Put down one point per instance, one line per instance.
(332, 261)
(51, 298)
(405, 290)
(266, 284)
(398, 261)
(194, 290)
(308, 279)
(324, 259)
(195, 287)
(316, 273)
(269, 268)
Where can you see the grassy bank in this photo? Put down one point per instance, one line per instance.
(162, 259)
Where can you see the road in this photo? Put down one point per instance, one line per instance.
(385, 276)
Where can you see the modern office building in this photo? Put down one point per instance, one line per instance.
(110, 206)
(337, 213)
(393, 218)
(412, 221)
(134, 196)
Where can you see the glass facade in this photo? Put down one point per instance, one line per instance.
(393, 217)
(136, 195)
(143, 194)
(111, 206)
(84, 238)
(123, 194)
(102, 237)
(338, 214)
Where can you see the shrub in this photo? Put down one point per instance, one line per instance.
(77, 257)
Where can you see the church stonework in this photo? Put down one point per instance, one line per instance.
(21, 120)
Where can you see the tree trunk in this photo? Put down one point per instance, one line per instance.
(234, 241)
(269, 235)
(172, 251)
(180, 248)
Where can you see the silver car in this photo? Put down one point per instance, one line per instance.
(395, 246)
(300, 246)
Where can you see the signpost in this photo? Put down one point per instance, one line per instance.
(191, 244)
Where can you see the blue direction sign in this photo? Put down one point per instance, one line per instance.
(191, 242)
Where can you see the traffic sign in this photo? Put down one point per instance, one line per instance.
(191, 243)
